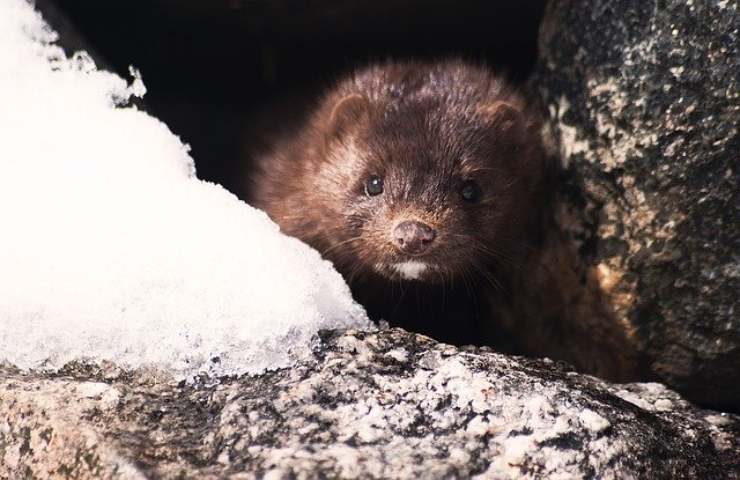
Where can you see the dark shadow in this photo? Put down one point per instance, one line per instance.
(212, 67)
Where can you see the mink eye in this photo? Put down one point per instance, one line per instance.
(373, 185)
(470, 191)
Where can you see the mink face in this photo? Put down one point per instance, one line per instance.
(428, 187)
(414, 172)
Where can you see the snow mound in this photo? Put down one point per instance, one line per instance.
(111, 248)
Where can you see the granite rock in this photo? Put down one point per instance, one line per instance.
(388, 404)
(644, 110)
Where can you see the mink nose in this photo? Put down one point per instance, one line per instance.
(413, 237)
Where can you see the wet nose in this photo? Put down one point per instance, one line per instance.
(413, 237)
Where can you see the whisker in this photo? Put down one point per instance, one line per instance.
(357, 268)
(498, 256)
(491, 279)
(342, 243)
(400, 299)
(444, 292)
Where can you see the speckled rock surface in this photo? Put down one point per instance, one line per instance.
(645, 109)
(368, 405)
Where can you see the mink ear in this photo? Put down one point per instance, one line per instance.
(349, 112)
(503, 115)
(506, 122)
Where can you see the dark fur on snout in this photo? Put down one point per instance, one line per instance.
(426, 129)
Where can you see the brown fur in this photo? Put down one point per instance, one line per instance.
(424, 128)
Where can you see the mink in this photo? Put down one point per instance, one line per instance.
(424, 183)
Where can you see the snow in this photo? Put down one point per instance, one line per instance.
(112, 249)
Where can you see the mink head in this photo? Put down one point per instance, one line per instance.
(429, 173)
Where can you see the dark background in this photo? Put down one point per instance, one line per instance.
(214, 68)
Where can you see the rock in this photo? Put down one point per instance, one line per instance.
(645, 108)
(368, 405)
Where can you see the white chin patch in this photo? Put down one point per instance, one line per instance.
(410, 270)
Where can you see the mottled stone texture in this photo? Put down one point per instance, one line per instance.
(645, 107)
(367, 405)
